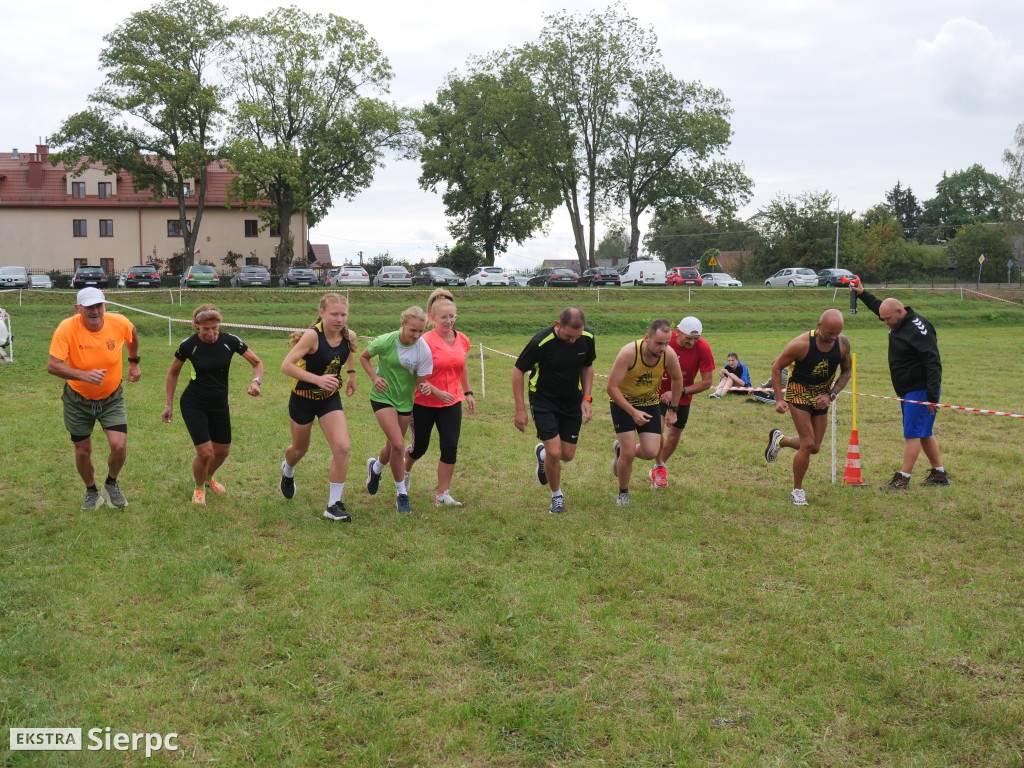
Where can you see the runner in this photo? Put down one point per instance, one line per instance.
(634, 386)
(448, 349)
(560, 364)
(815, 358)
(204, 403)
(85, 351)
(403, 364)
(316, 361)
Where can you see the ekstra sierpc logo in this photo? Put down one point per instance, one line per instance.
(106, 739)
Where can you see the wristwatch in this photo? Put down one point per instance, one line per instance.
(832, 396)
(134, 360)
(588, 398)
(673, 408)
(258, 380)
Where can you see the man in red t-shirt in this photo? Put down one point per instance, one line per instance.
(695, 356)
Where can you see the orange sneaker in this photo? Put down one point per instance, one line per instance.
(214, 486)
(199, 496)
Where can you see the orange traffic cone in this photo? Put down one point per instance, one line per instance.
(852, 474)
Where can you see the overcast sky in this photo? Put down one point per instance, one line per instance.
(847, 97)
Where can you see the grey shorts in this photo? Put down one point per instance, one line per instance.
(81, 413)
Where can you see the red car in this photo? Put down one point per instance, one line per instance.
(683, 276)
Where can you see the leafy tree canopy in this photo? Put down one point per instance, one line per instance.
(965, 197)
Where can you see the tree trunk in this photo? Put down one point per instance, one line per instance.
(634, 230)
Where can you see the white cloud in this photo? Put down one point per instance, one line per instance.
(971, 70)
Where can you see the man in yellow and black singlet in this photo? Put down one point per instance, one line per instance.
(634, 386)
(814, 359)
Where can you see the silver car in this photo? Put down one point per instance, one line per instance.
(13, 277)
(720, 279)
(392, 276)
(793, 276)
(350, 274)
(41, 281)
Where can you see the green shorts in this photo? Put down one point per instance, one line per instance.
(81, 413)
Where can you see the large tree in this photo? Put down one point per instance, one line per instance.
(679, 234)
(580, 66)
(907, 210)
(665, 140)
(307, 127)
(799, 231)
(156, 115)
(970, 196)
(485, 140)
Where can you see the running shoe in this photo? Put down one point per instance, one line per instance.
(337, 513)
(623, 499)
(557, 505)
(199, 496)
(798, 497)
(898, 483)
(287, 484)
(93, 500)
(542, 475)
(659, 477)
(936, 477)
(112, 493)
(446, 499)
(774, 445)
(372, 478)
(214, 486)
(402, 502)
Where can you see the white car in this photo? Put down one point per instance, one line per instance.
(392, 276)
(488, 276)
(794, 276)
(720, 279)
(350, 274)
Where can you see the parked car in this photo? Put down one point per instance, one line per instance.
(200, 276)
(519, 280)
(793, 276)
(390, 276)
(720, 279)
(251, 275)
(437, 276)
(683, 276)
(645, 272)
(488, 276)
(40, 281)
(300, 276)
(13, 277)
(842, 277)
(142, 276)
(94, 276)
(350, 274)
(555, 278)
(600, 276)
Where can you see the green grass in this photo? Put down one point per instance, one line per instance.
(710, 624)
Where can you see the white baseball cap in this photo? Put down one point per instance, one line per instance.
(690, 326)
(89, 296)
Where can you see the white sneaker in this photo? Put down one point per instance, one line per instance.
(798, 497)
(622, 500)
(446, 499)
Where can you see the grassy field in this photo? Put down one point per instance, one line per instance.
(711, 623)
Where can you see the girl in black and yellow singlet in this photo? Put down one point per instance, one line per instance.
(814, 375)
(316, 362)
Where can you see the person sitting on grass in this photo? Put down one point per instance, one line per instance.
(767, 396)
(734, 374)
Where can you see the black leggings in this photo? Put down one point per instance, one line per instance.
(447, 419)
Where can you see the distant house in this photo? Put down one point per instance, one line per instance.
(733, 262)
(53, 220)
(322, 252)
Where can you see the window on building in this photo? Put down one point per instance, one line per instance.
(252, 228)
(104, 190)
(78, 227)
(78, 189)
(106, 227)
(174, 227)
(275, 231)
(173, 191)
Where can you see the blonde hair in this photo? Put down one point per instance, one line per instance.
(440, 296)
(411, 313)
(328, 298)
(205, 313)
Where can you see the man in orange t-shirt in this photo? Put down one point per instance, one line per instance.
(86, 351)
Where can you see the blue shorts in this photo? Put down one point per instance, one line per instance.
(917, 421)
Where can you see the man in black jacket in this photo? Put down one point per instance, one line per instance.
(916, 372)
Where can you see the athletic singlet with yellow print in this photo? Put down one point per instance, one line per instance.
(326, 360)
(642, 383)
(813, 375)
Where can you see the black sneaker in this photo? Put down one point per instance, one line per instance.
(337, 512)
(898, 483)
(287, 484)
(542, 475)
(936, 477)
(557, 505)
(402, 502)
(372, 478)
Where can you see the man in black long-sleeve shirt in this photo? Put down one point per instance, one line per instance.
(916, 372)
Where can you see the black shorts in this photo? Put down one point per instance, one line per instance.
(623, 422)
(682, 416)
(303, 411)
(381, 406)
(810, 409)
(207, 424)
(553, 421)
